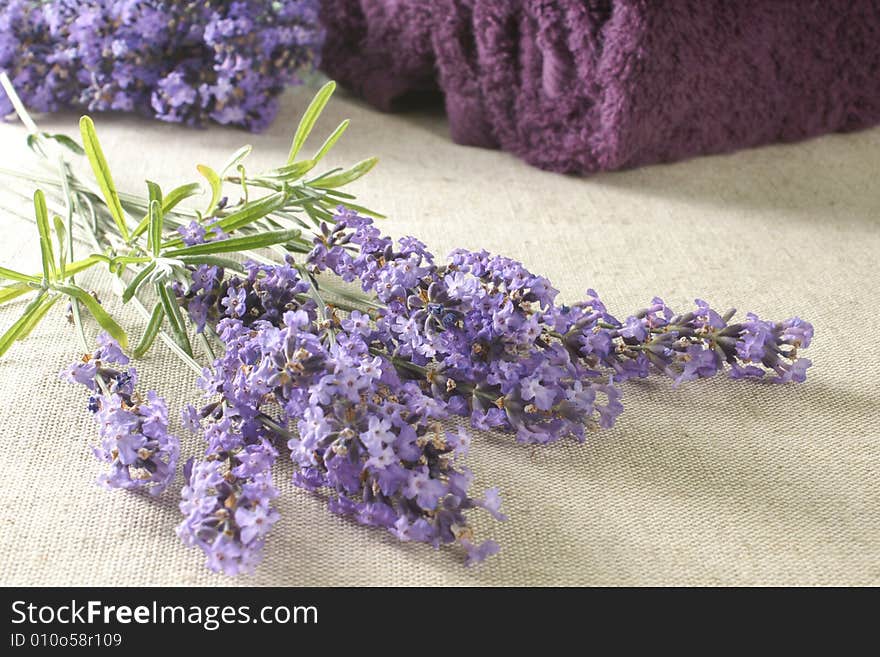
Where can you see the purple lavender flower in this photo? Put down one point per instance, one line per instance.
(494, 344)
(373, 439)
(192, 233)
(227, 498)
(189, 61)
(479, 328)
(687, 346)
(265, 293)
(134, 431)
(368, 394)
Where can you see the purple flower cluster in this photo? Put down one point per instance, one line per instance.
(370, 437)
(191, 61)
(364, 402)
(202, 232)
(493, 343)
(227, 498)
(265, 293)
(134, 431)
(687, 346)
(480, 327)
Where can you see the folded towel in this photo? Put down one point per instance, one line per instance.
(586, 85)
(380, 49)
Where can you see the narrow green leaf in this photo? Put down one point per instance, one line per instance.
(129, 260)
(67, 142)
(335, 193)
(136, 282)
(242, 177)
(170, 201)
(310, 211)
(152, 330)
(175, 318)
(61, 236)
(82, 265)
(36, 316)
(246, 215)
(216, 261)
(237, 244)
(345, 177)
(254, 211)
(16, 329)
(154, 192)
(331, 140)
(316, 214)
(178, 194)
(10, 292)
(154, 238)
(102, 173)
(50, 272)
(323, 175)
(323, 213)
(142, 226)
(154, 196)
(101, 316)
(289, 173)
(236, 159)
(319, 102)
(216, 187)
(33, 142)
(18, 276)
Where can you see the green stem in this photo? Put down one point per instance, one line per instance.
(271, 424)
(69, 207)
(206, 344)
(18, 105)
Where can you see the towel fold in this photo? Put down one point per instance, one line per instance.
(586, 85)
(380, 49)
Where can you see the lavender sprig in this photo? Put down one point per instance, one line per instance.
(227, 496)
(134, 430)
(489, 339)
(697, 344)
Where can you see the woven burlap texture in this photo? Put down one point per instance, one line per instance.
(718, 482)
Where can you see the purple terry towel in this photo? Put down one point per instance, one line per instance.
(588, 85)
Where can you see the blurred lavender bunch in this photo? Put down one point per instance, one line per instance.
(133, 430)
(191, 61)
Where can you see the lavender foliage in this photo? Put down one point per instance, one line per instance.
(134, 430)
(188, 62)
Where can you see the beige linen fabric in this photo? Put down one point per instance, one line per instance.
(719, 482)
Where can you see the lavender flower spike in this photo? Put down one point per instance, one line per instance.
(133, 430)
(693, 345)
(491, 341)
(227, 498)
